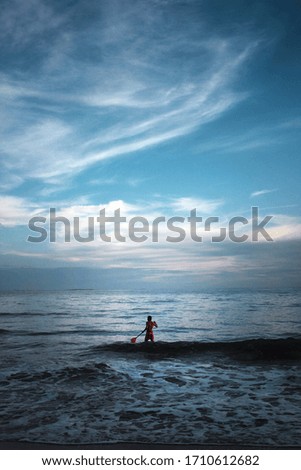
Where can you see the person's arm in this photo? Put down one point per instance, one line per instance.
(155, 324)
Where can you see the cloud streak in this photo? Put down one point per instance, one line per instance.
(262, 192)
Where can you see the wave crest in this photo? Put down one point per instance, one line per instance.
(253, 349)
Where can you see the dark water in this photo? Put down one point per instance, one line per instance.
(225, 368)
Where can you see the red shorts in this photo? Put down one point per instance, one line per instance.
(149, 336)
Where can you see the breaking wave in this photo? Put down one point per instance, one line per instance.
(253, 349)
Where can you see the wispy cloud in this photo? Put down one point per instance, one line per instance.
(136, 92)
(247, 141)
(262, 192)
(24, 22)
(15, 211)
(291, 124)
(186, 204)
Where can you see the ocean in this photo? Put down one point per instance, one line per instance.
(224, 369)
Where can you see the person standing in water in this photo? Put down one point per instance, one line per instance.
(149, 335)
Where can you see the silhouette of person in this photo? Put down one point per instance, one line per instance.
(149, 335)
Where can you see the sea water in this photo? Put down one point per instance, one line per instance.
(69, 373)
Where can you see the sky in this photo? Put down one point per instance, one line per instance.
(154, 108)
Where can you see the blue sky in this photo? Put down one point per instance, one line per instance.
(155, 107)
